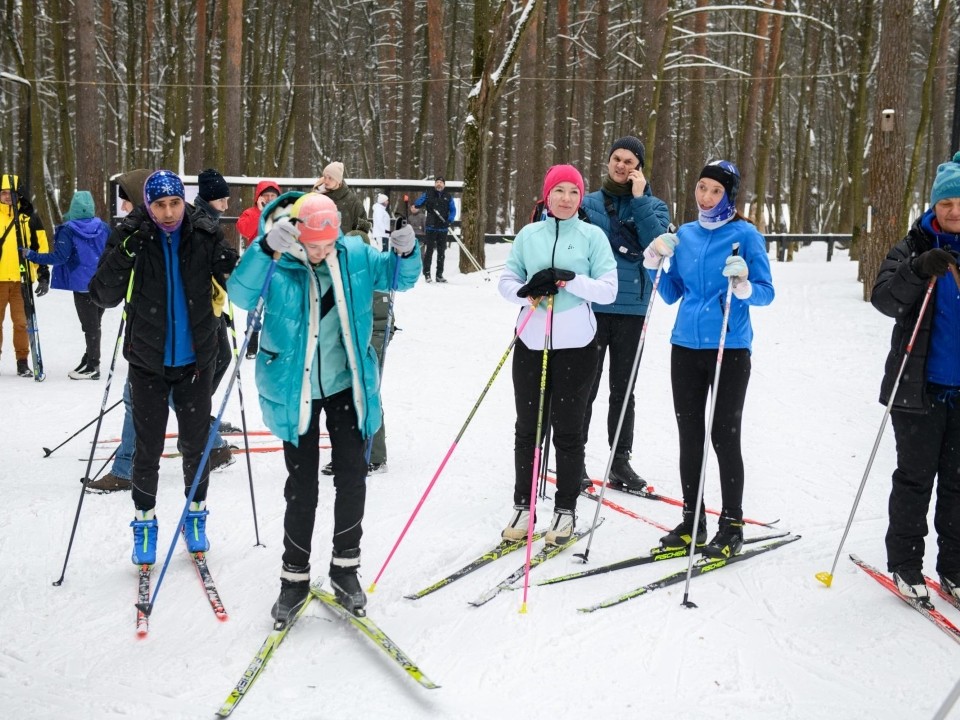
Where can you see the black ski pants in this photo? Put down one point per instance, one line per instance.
(928, 448)
(224, 353)
(303, 474)
(150, 395)
(691, 375)
(435, 240)
(89, 314)
(570, 374)
(621, 334)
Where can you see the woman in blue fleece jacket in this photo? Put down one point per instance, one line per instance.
(705, 255)
(571, 260)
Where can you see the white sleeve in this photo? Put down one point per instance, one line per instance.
(509, 283)
(601, 290)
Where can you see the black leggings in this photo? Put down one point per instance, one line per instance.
(570, 376)
(90, 315)
(691, 374)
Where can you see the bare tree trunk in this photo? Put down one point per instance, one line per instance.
(770, 88)
(90, 170)
(195, 147)
(599, 89)
(437, 87)
(694, 147)
(526, 181)
(858, 131)
(303, 164)
(887, 179)
(408, 56)
(561, 109)
(658, 30)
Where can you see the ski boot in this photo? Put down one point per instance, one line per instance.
(144, 537)
(561, 527)
(195, 527)
(343, 580)
(729, 538)
(623, 476)
(516, 529)
(294, 592)
(680, 537)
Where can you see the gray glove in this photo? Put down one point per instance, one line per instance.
(403, 240)
(282, 236)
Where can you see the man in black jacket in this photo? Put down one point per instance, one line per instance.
(168, 258)
(441, 212)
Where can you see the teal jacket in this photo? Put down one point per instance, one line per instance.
(292, 315)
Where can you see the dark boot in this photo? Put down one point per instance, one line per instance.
(679, 538)
(344, 581)
(294, 591)
(623, 475)
(729, 538)
(585, 482)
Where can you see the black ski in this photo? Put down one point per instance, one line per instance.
(504, 548)
(701, 567)
(656, 555)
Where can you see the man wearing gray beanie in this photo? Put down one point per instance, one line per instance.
(626, 210)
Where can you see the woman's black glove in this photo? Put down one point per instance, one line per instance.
(933, 262)
(544, 282)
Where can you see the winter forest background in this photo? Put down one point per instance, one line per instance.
(493, 93)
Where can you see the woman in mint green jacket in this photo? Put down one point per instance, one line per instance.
(315, 355)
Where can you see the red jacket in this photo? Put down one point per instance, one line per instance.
(248, 224)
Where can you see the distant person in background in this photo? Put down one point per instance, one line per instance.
(353, 217)
(32, 234)
(381, 222)
(77, 246)
(926, 410)
(718, 251)
(439, 213)
(248, 226)
(129, 185)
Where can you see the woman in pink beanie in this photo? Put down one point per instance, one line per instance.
(571, 260)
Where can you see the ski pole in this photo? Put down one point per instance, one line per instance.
(827, 577)
(96, 433)
(536, 454)
(446, 457)
(147, 607)
(545, 454)
(706, 441)
(243, 423)
(948, 701)
(47, 452)
(585, 555)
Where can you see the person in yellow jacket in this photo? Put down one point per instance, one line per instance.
(32, 234)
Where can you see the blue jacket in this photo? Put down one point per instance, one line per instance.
(650, 216)
(695, 277)
(77, 247)
(291, 310)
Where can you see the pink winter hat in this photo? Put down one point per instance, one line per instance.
(562, 173)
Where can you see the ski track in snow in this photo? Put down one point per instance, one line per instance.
(766, 640)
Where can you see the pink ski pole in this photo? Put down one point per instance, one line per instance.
(446, 457)
(536, 453)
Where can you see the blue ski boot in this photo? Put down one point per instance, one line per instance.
(195, 527)
(144, 537)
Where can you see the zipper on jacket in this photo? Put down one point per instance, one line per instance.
(316, 280)
(171, 322)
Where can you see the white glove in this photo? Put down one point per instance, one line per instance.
(664, 245)
(651, 259)
(283, 235)
(742, 289)
(736, 267)
(403, 240)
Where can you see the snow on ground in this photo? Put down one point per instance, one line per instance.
(767, 640)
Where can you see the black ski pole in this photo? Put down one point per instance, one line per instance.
(47, 452)
(96, 433)
(243, 423)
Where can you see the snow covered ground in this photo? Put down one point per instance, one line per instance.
(767, 640)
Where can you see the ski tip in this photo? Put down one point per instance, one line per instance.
(650, 488)
(222, 616)
(146, 608)
(825, 577)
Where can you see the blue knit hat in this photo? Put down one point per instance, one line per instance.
(947, 182)
(162, 183)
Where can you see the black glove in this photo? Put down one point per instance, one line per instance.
(133, 242)
(933, 262)
(544, 282)
(43, 287)
(25, 207)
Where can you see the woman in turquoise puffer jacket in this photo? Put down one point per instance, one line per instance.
(315, 355)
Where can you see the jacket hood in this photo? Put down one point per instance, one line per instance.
(81, 207)
(131, 183)
(263, 186)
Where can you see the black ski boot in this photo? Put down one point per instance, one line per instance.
(622, 475)
(294, 591)
(679, 538)
(343, 580)
(585, 482)
(729, 538)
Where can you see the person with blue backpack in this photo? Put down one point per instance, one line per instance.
(77, 246)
